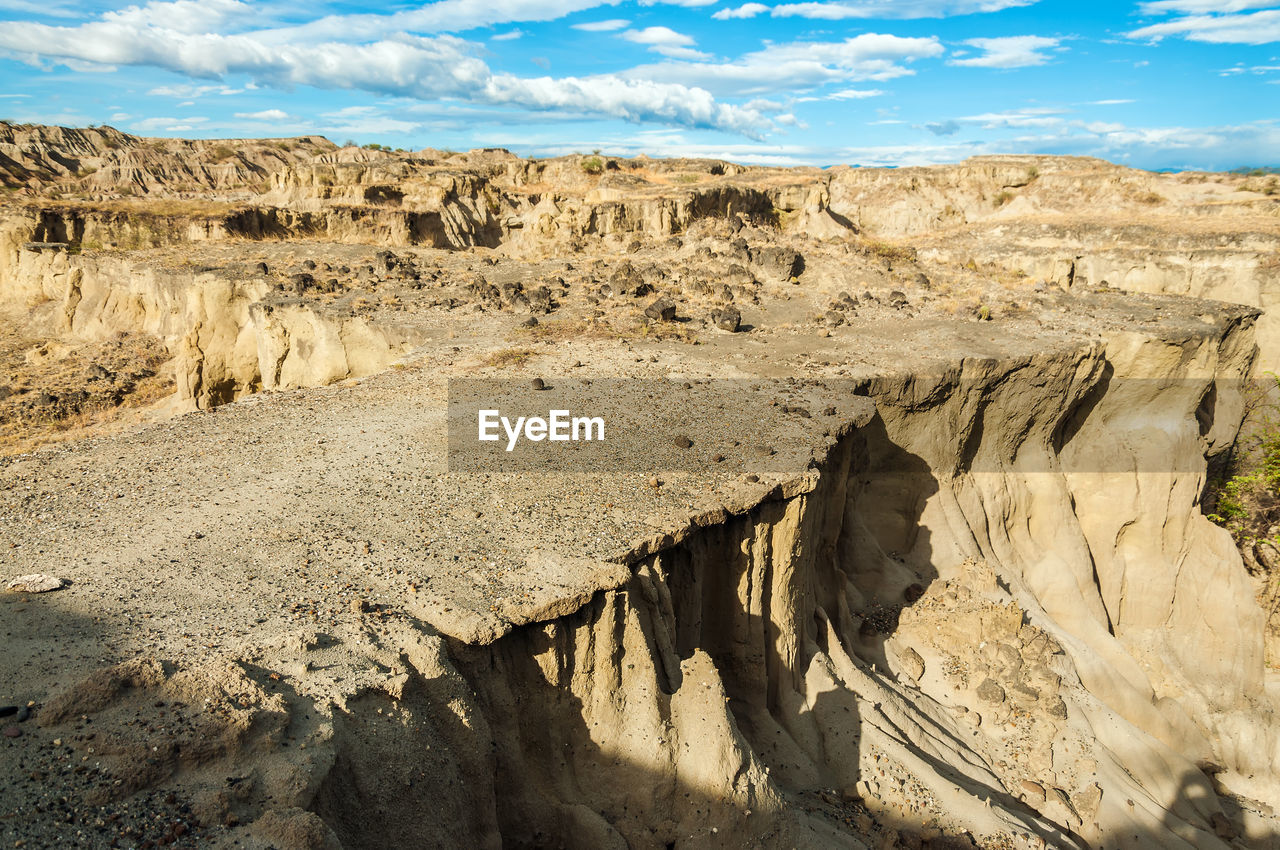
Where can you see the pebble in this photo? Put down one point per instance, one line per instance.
(682, 442)
(12, 732)
(23, 714)
(538, 384)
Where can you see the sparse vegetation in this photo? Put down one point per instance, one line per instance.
(593, 165)
(888, 251)
(504, 357)
(1032, 173)
(1246, 500)
(1002, 197)
(222, 153)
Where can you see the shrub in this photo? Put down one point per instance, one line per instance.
(593, 165)
(1246, 499)
(1002, 198)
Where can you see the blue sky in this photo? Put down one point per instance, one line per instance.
(1157, 84)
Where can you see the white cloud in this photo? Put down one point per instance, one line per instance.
(1016, 118)
(666, 41)
(407, 66)
(854, 94)
(839, 10)
(189, 91)
(746, 10)
(658, 36)
(1255, 28)
(265, 115)
(603, 26)
(184, 16)
(1110, 102)
(507, 36)
(171, 125)
(800, 65)
(1017, 51)
(1195, 7)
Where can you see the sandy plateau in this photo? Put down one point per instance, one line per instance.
(944, 579)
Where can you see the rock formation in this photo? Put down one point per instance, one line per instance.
(910, 552)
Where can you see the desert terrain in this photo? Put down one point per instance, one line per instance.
(905, 541)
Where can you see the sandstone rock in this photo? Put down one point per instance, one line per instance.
(36, 583)
(991, 692)
(912, 663)
(1034, 792)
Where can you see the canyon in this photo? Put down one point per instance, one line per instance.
(905, 544)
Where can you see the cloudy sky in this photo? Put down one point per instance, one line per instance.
(1158, 84)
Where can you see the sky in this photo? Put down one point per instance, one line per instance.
(1162, 84)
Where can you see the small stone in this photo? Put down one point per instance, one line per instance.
(753, 478)
(37, 583)
(12, 732)
(359, 606)
(655, 482)
(530, 322)
(538, 384)
(24, 714)
(682, 442)
(912, 593)
(718, 458)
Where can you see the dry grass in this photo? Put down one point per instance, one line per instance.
(505, 357)
(887, 250)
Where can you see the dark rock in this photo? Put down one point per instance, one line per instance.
(922, 281)
(98, 373)
(831, 317)
(309, 265)
(735, 223)
(538, 384)
(8, 710)
(301, 282)
(682, 442)
(727, 318)
(829, 411)
(12, 732)
(898, 298)
(913, 592)
(530, 322)
(261, 268)
(626, 280)
(778, 261)
(23, 715)
(662, 309)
